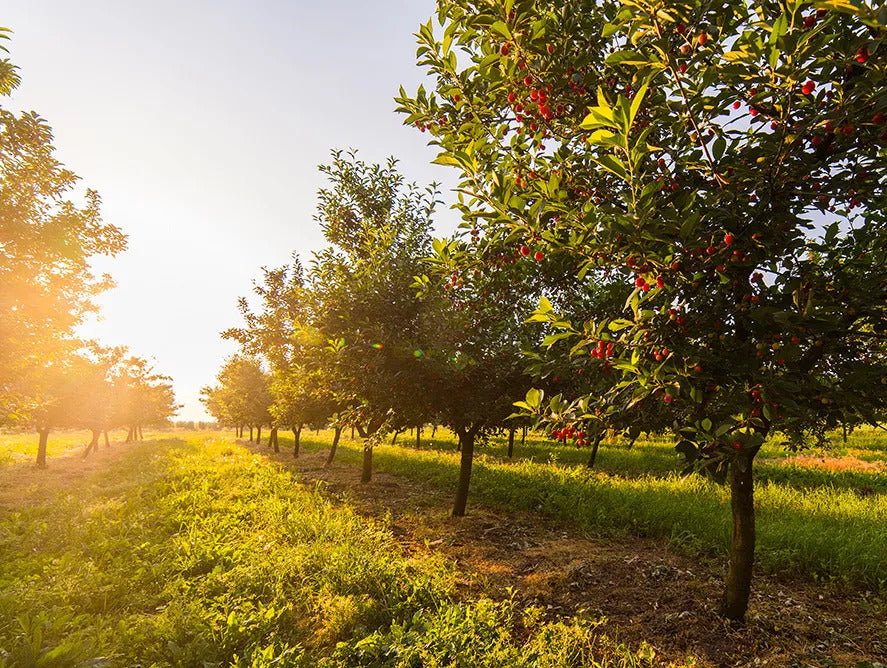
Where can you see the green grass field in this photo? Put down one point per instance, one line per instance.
(193, 551)
(828, 525)
(188, 549)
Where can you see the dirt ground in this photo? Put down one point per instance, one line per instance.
(644, 590)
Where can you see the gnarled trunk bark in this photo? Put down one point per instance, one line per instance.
(418, 437)
(41, 447)
(141, 434)
(297, 435)
(510, 443)
(259, 435)
(594, 447)
(107, 441)
(466, 446)
(366, 473)
(94, 443)
(250, 433)
(329, 457)
(272, 439)
(742, 544)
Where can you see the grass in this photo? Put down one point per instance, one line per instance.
(193, 551)
(810, 521)
(16, 448)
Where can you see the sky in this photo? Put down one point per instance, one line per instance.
(202, 124)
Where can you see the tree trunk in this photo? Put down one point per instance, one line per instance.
(94, 443)
(352, 432)
(742, 545)
(594, 447)
(510, 443)
(129, 435)
(418, 437)
(297, 435)
(250, 433)
(433, 430)
(141, 434)
(329, 457)
(41, 448)
(523, 435)
(466, 445)
(107, 442)
(394, 438)
(259, 435)
(366, 474)
(272, 439)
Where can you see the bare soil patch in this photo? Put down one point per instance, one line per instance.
(644, 590)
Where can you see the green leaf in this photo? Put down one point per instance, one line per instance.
(780, 26)
(502, 29)
(534, 397)
(626, 58)
(613, 165)
(636, 102)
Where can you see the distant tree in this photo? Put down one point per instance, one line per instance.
(366, 306)
(46, 242)
(242, 395)
(142, 397)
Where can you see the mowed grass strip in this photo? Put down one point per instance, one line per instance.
(194, 551)
(824, 531)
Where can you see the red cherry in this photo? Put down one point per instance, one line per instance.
(728, 239)
(681, 28)
(668, 398)
(878, 118)
(697, 369)
(711, 250)
(737, 445)
(660, 282)
(456, 98)
(810, 21)
(847, 130)
(512, 97)
(504, 49)
(525, 250)
(528, 81)
(862, 54)
(683, 68)
(737, 104)
(808, 87)
(550, 49)
(538, 256)
(703, 38)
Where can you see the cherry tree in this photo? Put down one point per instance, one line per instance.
(724, 162)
